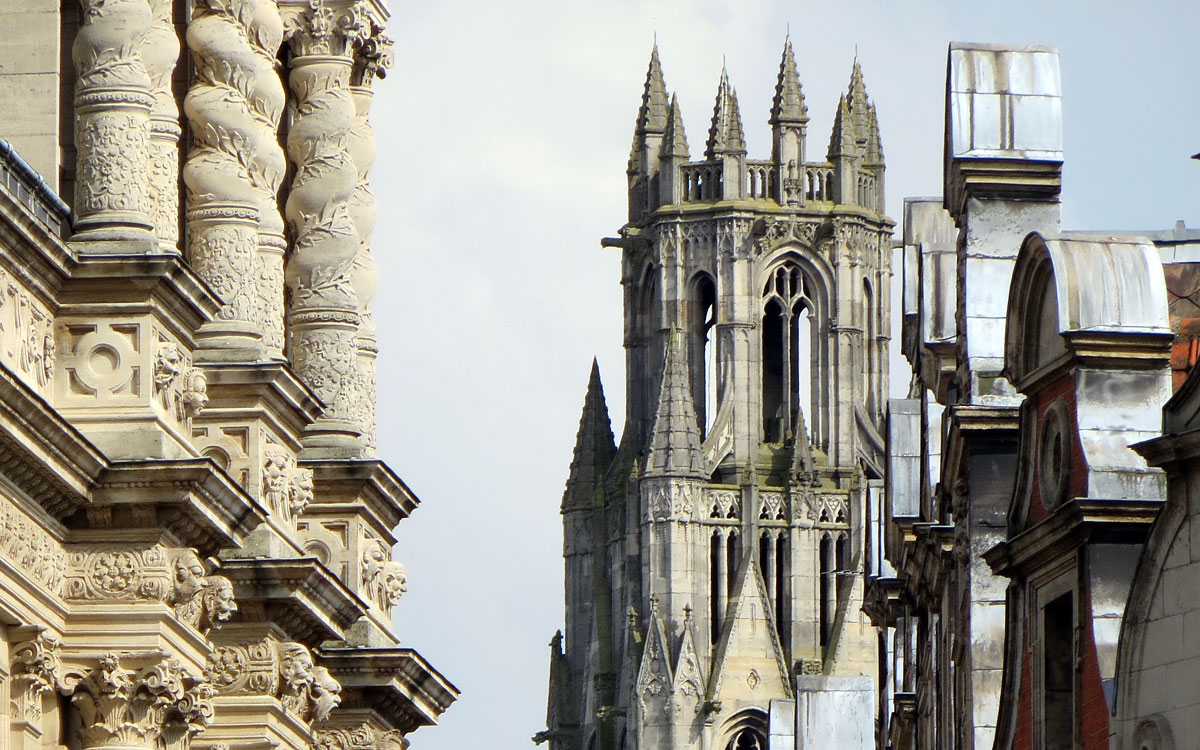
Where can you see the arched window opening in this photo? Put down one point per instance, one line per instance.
(747, 739)
(766, 563)
(648, 325)
(788, 334)
(781, 600)
(733, 557)
(842, 553)
(716, 586)
(1058, 650)
(869, 335)
(704, 344)
(827, 602)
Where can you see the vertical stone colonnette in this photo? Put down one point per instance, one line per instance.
(267, 103)
(323, 319)
(112, 127)
(223, 214)
(373, 59)
(160, 53)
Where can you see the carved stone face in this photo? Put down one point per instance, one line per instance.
(396, 584)
(327, 693)
(222, 604)
(296, 665)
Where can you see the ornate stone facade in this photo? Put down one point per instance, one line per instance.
(197, 537)
(714, 559)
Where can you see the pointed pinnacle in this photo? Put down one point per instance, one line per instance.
(675, 437)
(788, 105)
(594, 447)
(674, 139)
(725, 133)
(652, 115)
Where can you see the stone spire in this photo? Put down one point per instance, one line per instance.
(725, 135)
(788, 105)
(674, 438)
(674, 139)
(841, 138)
(594, 446)
(652, 115)
(856, 94)
(874, 155)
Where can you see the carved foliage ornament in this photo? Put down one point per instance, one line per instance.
(36, 671)
(123, 706)
(323, 29)
(362, 737)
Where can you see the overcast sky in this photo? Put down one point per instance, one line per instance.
(504, 131)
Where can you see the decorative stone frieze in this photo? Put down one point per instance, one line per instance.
(223, 201)
(26, 334)
(139, 706)
(324, 316)
(283, 670)
(113, 101)
(27, 546)
(361, 737)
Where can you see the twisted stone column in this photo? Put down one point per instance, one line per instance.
(373, 59)
(324, 317)
(270, 163)
(223, 202)
(160, 52)
(112, 126)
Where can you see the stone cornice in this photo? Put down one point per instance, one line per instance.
(124, 284)
(192, 498)
(366, 484)
(40, 452)
(263, 387)
(1074, 524)
(301, 596)
(398, 683)
(966, 421)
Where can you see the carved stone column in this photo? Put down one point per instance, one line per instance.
(324, 316)
(112, 128)
(136, 701)
(270, 163)
(223, 202)
(160, 53)
(373, 59)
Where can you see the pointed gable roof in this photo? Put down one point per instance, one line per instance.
(654, 675)
(749, 641)
(594, 446)
(652, 115)
(675, 437)
(725, 135)
(788, 105)
(674, 139)
(689, 677)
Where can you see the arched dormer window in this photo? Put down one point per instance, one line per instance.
(788, 337)
(702, 325)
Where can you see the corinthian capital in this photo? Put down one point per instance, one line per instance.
(324, 28)
(36, 671)
(131, 700)
(373, 58)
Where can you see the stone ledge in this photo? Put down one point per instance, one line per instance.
(398, 683)
(300, 596)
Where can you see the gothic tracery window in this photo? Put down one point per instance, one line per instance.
(704, 366)
(788, 328)
(747, 739)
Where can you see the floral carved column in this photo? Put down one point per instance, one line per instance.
(270, 164)
(223, 202)
(373, 59)
(324, 316)
(112, 127)
(160, 53)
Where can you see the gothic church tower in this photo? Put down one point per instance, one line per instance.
(716, 555)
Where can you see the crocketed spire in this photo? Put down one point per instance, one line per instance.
(788, 105)
(674, 139)
(675, 438)
(652, 115)
(725, 135)
(594, 447)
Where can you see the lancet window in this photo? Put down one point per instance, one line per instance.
(788, 341)
(704, 346)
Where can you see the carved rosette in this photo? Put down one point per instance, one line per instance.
(223, 200)
(160, 53)
(119, 574)
(324, 316)
(146, 704)
(36, 672)
(282, 670)
(270, 164)
(113, 101)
